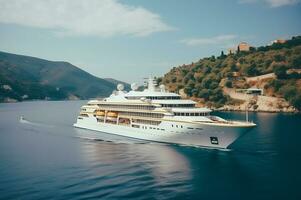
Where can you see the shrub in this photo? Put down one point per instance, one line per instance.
(288, 91)
(296, 101)
(228, 84)
(174, 79)
(280, 71)
(279, 58)
(204, 93)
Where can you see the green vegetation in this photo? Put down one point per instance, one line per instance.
(203, 78)
(289, 88)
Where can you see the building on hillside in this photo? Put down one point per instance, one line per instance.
(279, 41)
(243, 46)
(252, 91)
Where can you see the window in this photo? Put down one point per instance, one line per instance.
(144, 114)
(214, 140)
(148, 122)
(138, 107)
(178, 105)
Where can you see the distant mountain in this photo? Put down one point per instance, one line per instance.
(25, 78)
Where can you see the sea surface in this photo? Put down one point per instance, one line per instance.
(44, 157)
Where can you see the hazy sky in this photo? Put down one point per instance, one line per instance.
(132, 39)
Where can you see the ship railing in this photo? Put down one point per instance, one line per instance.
(241, 121)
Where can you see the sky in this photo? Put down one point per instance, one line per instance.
(129, 40)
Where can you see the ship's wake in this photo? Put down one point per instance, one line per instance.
(23, 120)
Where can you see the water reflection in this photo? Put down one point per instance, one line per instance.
(155, 164)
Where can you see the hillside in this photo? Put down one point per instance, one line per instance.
(25, 78)
(206, 79)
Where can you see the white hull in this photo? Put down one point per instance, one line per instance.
(185, 134)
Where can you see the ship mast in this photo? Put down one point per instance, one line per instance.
(247, 108)
(151, 86)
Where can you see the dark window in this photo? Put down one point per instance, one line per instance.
(214, 140)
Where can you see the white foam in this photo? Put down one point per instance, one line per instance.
(25, 121)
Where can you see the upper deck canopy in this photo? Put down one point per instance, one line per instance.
(191, 110)
(147, 93)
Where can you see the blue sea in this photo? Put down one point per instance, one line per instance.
(44, 157)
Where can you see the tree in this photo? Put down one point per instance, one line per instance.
(251, 70)
(296, 62)
(213, 85)
(279, 58)
(252, 49)
(203, 94)
(228, 84)
(280, 71)
(296, 101)
(276, 84)
(223, 55)
(174, 79)
(288, 91)
(206, 82)
(238, 49)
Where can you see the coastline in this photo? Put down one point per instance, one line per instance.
(229, 109)
(225, 108)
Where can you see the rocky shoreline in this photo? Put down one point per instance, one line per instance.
(269, 110)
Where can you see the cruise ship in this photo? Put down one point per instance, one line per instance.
(155, 114)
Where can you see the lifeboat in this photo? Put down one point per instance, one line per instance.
(100, 113)
(112, 114)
